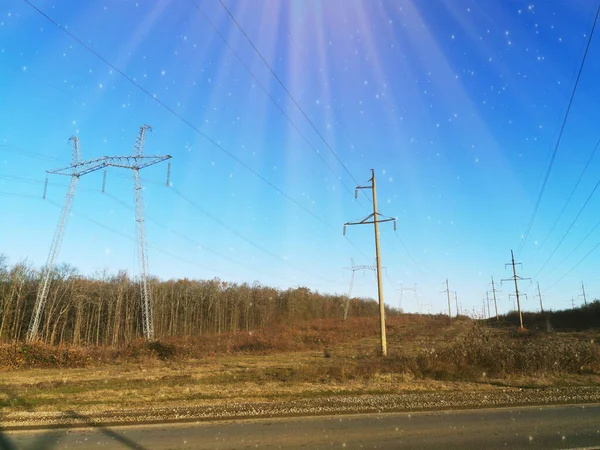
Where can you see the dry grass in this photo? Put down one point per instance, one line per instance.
(308, 360)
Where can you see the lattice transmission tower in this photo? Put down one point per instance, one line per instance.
(78, 168)
(354, 268)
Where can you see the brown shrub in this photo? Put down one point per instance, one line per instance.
(483, 352)
(40, 356)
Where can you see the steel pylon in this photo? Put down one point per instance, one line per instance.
(135, 162)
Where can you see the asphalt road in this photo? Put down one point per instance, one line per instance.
(521, 427)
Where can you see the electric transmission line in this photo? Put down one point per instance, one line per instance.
(574, 267)
(576, 247)
(562, 211)
(283, 86)
(560, 134)
(568, 229)
(154, 247)
(18, 194)
(244, 238)
(264, 89)
(20, 151)
(168, 228)
(133, 239)
(410, 256)
(196, 243)
(182, 119)
(311, 73)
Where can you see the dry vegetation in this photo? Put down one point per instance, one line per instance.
(311, 360)
(221, 344)
(105, 310)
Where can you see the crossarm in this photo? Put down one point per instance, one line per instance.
(124, 162)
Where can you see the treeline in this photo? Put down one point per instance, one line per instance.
(582, 318)
(106, 309)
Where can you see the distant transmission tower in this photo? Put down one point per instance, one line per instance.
(412, 289)
(540, 297)
(78, 168)
(456, 302)
(354, 269)
(516, 280)
(447, 292)
(583, 294)
(494, 290)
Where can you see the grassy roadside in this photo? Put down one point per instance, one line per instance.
(426, 356)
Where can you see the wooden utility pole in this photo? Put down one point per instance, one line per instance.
(375, 218)
(516, 279)
(495, 303)
(583, 294)
(540, 296)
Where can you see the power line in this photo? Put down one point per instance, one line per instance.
(46, 183)
(215, 29)
(126, 236)
(576, 247)
(574, 267)
(414, 261)
(568, 229)
(178, 116)
(287, 91)
(244, 238)
(122, 203)
(17, 194)
(132, 238)
(193, 241)
(562, 211)
(339, 122)
(552, 158)
(20, 151)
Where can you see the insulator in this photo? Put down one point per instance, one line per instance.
(169, 174)
(355, 193)
(344, 230)
(45, 188)
(394, 225)
(104, 181)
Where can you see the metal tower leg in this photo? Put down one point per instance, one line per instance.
(44, 285)
(147, 316)
(348, 299)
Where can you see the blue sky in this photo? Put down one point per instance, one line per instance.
(457, 106)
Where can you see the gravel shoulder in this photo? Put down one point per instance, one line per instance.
(337, 404)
